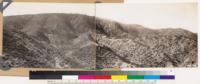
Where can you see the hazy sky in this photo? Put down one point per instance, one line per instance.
(36, 8)
(153, 15)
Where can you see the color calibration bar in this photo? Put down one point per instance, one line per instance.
(118, 77)
(100, 75)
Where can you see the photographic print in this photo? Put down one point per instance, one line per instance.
(100, 36)
(147, 35)
(49, 35)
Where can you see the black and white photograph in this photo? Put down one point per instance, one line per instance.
(49, 35)
(147, 35)
(100, 36)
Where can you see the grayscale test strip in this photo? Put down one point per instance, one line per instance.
(96, 72)
(104, 82)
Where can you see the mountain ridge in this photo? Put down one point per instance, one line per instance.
(61, 40)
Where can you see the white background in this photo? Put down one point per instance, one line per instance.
(183, 15)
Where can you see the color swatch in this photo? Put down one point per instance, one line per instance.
(98, 75)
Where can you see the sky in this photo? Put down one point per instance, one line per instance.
(151, 15)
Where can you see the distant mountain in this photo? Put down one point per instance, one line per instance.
(79, 41)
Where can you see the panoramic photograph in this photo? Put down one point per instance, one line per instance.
(88, 36)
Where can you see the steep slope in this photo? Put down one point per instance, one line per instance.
(49, 41)
(128, 46)
(79, 41)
